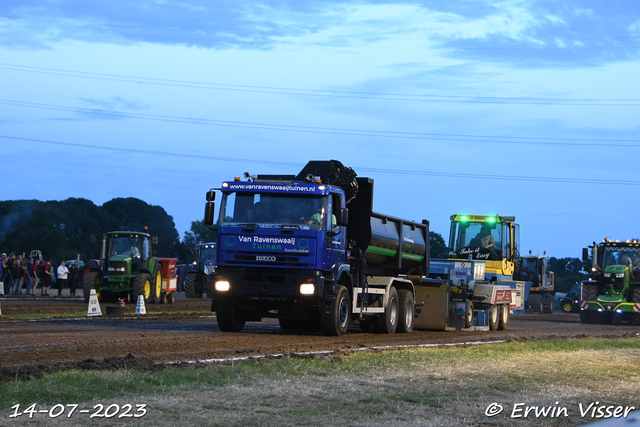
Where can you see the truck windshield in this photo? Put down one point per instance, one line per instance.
(615, 255)
(272, 210)
(482, 240)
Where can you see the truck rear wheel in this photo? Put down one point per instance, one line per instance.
(494, 317)
(91, 280)
(407, 311)
(230, 318)
(590, 294)
(504, 317)
(388, 322)
(156, 284)
(142, 286)
(338, 320)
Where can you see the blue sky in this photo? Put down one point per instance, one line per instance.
(524, 108)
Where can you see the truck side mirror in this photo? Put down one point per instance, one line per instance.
(209, 209)
(211, 196)
(343, 217)
(585, 254)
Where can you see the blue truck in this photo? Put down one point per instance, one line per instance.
(308, 250)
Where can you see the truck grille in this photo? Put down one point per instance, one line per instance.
(267, 259)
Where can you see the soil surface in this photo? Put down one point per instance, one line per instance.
(187, 332)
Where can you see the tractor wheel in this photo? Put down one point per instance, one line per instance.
(635, 316)
(91, 281)
(407, 311)
(338, 320)
(504, 317)
(230, 318)
(388, 322)
(494, 317)
(190, 286)
(549, 302)
(142, 286)
(535, 302)
(156, 284)
(468, 314)
(567, 306)
(590, 294)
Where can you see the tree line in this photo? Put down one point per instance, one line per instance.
(64, 229)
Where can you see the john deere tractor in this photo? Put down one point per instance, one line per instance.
(127, 268)
(614, 283)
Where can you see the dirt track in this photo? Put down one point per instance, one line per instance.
(28, 347)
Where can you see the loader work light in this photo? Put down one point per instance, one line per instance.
(223, 286)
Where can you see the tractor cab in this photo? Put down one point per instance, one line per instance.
(122, 247)
(491, 238)
(535, 269)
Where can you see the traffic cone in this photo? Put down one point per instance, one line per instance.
(94, 304)
(140, 309)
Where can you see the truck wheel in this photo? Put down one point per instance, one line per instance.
(142, 286)
(468, 314)
(567, 306)
(590, 316)
(388, 322)
(635, 317)
(91, 280)
(504, 317)
(190, 286)
(535, 302)
(407, 311)
(338, 320)
(494, 317)
(156, 284)
(230, 318)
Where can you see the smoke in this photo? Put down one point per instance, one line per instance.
(21, 214)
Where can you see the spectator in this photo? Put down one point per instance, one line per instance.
(8, 279)
(34, 275)
(48, 276)
(74, 278)
(63, 271)
(17, 274)
(26, 277)
(3, 274)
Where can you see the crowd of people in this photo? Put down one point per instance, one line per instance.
(18, 273)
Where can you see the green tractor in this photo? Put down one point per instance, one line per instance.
(127, 268)
(614, 283)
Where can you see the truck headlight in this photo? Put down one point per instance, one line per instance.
(307, 289)
(222, 286)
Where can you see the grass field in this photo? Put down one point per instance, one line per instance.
(432, 387)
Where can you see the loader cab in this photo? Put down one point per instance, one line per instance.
(491, 238)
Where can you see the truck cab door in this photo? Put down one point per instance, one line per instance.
(335, 243)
